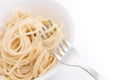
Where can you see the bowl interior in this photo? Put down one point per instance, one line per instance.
(48, 9)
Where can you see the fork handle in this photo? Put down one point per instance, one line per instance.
(77, 62)
(90, 71)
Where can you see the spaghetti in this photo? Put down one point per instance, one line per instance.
(26, 45)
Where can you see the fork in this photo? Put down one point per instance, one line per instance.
(68, 55)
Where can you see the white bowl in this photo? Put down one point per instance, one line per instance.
(49, 9)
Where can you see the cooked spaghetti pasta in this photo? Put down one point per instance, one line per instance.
(26, 45)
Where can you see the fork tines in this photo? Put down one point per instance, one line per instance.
(44, 28)
(62, 49)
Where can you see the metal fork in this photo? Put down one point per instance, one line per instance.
(67, 55)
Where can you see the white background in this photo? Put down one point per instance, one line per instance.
(97, 36)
